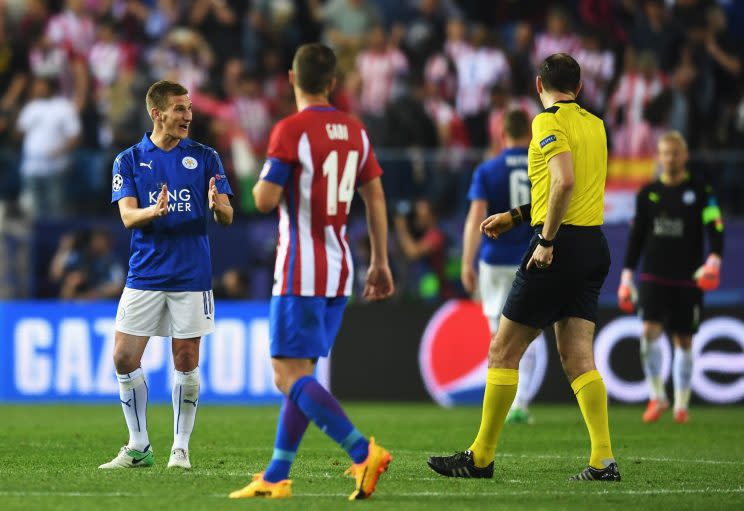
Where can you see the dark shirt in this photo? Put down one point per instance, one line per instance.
(668, 230)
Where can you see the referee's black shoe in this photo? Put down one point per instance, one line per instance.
(609, 473)
(460, 464)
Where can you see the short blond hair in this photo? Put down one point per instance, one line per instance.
(159, 92)
(674, 136)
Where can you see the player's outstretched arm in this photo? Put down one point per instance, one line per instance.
(219, 204)
(133, 216)
(379, 283)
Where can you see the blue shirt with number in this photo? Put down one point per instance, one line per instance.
(171, 253)
(503, 183)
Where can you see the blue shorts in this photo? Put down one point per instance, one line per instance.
(304, 326)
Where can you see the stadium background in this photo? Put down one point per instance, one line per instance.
(431, 79)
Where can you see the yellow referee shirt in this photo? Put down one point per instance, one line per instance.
(566, 126)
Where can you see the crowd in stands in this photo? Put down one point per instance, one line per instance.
(422, 74)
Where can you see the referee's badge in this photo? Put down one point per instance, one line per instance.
(189, 162)
(688, 197)
(117, 182)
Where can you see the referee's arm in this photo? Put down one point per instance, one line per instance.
(561, 189)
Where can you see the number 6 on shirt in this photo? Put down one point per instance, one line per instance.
(340, 191)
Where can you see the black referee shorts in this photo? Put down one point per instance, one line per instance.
(569, 287)
(677, 308)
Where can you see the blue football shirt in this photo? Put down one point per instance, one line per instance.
(502, 182)
(171, 253)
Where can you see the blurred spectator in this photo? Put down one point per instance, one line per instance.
(425, 30)
(72, 29)
(50, 125)
(84, 266)
(605, 16)
(407, 130)
(246, 111)
(276, 87)
(597, 70)
(727, 71)
(108, 58)
(501, 103)
(48, 60)
(450, 128)
(183, 56)
(157, 16)
(33, 22)
(407, 123)
(655, 32)
(480, 64)
(682, 89)
(233, 285)
(378, 66)
(440, 71)
(523, 74)
(640, 83)
(425, 246)
(220, 20)
(557, 38)
(346, 23)
(13, 79)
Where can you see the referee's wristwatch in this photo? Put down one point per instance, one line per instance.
(542, 241)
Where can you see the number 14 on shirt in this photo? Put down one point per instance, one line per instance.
(340, 190)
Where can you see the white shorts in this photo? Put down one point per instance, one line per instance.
(179, 314)
(494, 283)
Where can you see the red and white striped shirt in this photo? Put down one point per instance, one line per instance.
(75, 33)
(318, 155)
(477, 70)
(547, 45)
(378, 70)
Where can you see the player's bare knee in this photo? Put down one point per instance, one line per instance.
(125, 362)
(504, 353)
(185, 360)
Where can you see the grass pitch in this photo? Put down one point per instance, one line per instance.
(49, 455)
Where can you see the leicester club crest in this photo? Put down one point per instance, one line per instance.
(189, 162)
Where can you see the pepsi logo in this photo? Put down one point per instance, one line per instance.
(453, 355)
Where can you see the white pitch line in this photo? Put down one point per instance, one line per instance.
(618, 491)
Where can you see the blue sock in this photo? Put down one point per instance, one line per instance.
(322, 408)
(290, 428)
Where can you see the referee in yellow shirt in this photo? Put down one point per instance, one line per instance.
(560, 276)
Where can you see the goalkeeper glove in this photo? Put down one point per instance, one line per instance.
(708, 276)
(626, 293)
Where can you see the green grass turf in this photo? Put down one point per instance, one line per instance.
(49, 455)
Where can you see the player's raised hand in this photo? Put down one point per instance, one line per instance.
(212, 194)
(708, 276)
(161, 206)
(626, 292)
(379, 283)
(497, 224)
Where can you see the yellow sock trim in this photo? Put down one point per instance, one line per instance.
(584, 380)
(591, 394)
(499, 376)
(501, 387)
